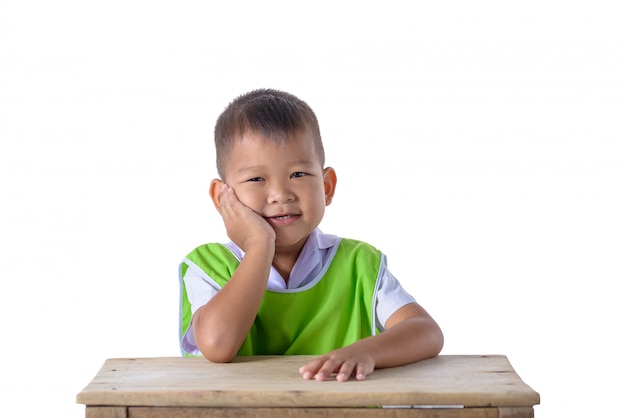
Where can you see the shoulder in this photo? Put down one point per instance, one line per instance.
(210, 251)
(216, 260)
(358, 246)
(329, 240)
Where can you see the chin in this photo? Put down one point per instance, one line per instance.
(290, 241)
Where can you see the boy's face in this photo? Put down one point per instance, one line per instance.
(282, 182)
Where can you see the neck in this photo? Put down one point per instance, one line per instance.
(283, 267)
(285, 258)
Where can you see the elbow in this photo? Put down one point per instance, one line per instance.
(216, 351)
(215, 345)
(214, 357)
(436, 340)
(429, 341)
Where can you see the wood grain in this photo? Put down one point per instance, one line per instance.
(274, 382)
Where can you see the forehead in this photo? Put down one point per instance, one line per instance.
(256, 146)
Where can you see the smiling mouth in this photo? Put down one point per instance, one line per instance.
(282, 218)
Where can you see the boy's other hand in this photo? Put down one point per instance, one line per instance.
(345, 362)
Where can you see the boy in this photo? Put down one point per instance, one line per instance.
(281, 286)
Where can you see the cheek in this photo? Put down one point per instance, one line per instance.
(319, 203)
(252, 200)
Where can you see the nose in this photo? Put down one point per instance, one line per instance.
(280, 192)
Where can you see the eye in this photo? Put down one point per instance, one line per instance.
(299, 174)
(256, 179)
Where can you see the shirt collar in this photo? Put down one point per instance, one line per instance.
(310, 262)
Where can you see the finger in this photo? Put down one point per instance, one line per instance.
(224, 197)
(346, 370)
(229, 202)
(310, 369)
(362, 371)
(329, 367)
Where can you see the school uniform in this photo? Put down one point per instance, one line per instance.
(339, 291)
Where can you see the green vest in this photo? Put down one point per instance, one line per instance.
(331, 313)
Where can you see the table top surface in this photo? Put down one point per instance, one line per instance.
(274, 381)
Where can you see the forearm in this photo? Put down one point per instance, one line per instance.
(221, 325)
(409, 341)
(411, 335)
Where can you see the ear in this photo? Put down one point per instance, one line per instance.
(215, 191)
(330, 183)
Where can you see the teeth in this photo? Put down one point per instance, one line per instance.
(280, 218)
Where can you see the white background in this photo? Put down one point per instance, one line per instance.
(480, 145)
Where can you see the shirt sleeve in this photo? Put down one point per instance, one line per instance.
(200, 288)
(390, 295)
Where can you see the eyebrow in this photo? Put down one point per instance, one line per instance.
(250, 168)
(304, 162)
(308, 163)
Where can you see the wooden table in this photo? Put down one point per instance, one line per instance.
(270, 386)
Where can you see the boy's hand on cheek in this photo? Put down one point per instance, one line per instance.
(243, 225)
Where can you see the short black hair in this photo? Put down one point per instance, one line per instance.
(273, 113)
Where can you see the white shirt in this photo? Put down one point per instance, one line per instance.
(390, 296)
